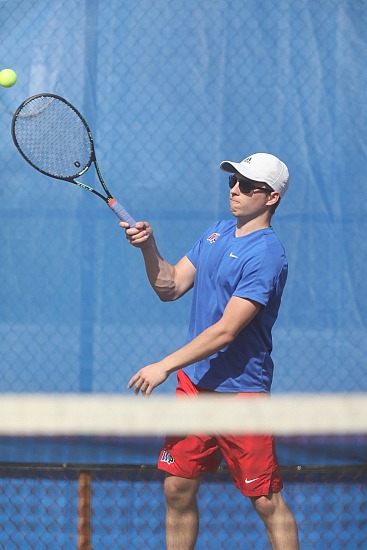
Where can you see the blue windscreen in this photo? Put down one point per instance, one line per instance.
(170, 89)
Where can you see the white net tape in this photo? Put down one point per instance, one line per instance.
(119, 415)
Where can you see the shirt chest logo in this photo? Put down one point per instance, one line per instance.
(213, 237)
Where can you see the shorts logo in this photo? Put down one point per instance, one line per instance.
(167, 457)
(251, 480)
(213, 237)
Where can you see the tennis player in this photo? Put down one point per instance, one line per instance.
(237, 270)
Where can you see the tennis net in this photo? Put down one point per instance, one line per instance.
(79, 471)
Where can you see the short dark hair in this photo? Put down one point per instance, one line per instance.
(274, 206)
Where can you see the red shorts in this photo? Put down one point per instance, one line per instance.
(251, 459)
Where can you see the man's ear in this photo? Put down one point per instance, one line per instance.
(273, 198)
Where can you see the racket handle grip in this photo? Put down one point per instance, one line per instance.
(121, 212)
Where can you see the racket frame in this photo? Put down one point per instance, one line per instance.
(109, 199)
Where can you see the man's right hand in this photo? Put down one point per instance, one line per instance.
(138, 235)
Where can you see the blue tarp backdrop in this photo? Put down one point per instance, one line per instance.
(170, 89)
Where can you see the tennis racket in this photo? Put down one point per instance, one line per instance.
(55, 139)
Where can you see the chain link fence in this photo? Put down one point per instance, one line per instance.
(66, 506)
(170, 89)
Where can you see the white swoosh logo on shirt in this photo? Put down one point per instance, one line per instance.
(232, 255)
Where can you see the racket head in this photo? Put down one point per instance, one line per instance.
(53, 137)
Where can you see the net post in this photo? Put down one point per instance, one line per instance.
(84, 511)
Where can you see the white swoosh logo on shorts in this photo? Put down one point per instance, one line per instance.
(251, 480)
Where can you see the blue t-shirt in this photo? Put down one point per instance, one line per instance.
(254, 267)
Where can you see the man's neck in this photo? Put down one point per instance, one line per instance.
(245, 227)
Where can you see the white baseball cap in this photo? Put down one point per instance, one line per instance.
(261, 167)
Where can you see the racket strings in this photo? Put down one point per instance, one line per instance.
(53, 137)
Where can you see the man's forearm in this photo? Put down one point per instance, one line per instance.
(160, 273)
(210, 341)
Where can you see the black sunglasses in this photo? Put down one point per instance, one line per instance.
(246, 186)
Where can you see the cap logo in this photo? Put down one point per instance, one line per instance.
(248, 160)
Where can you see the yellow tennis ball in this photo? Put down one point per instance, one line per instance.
(8, 78)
